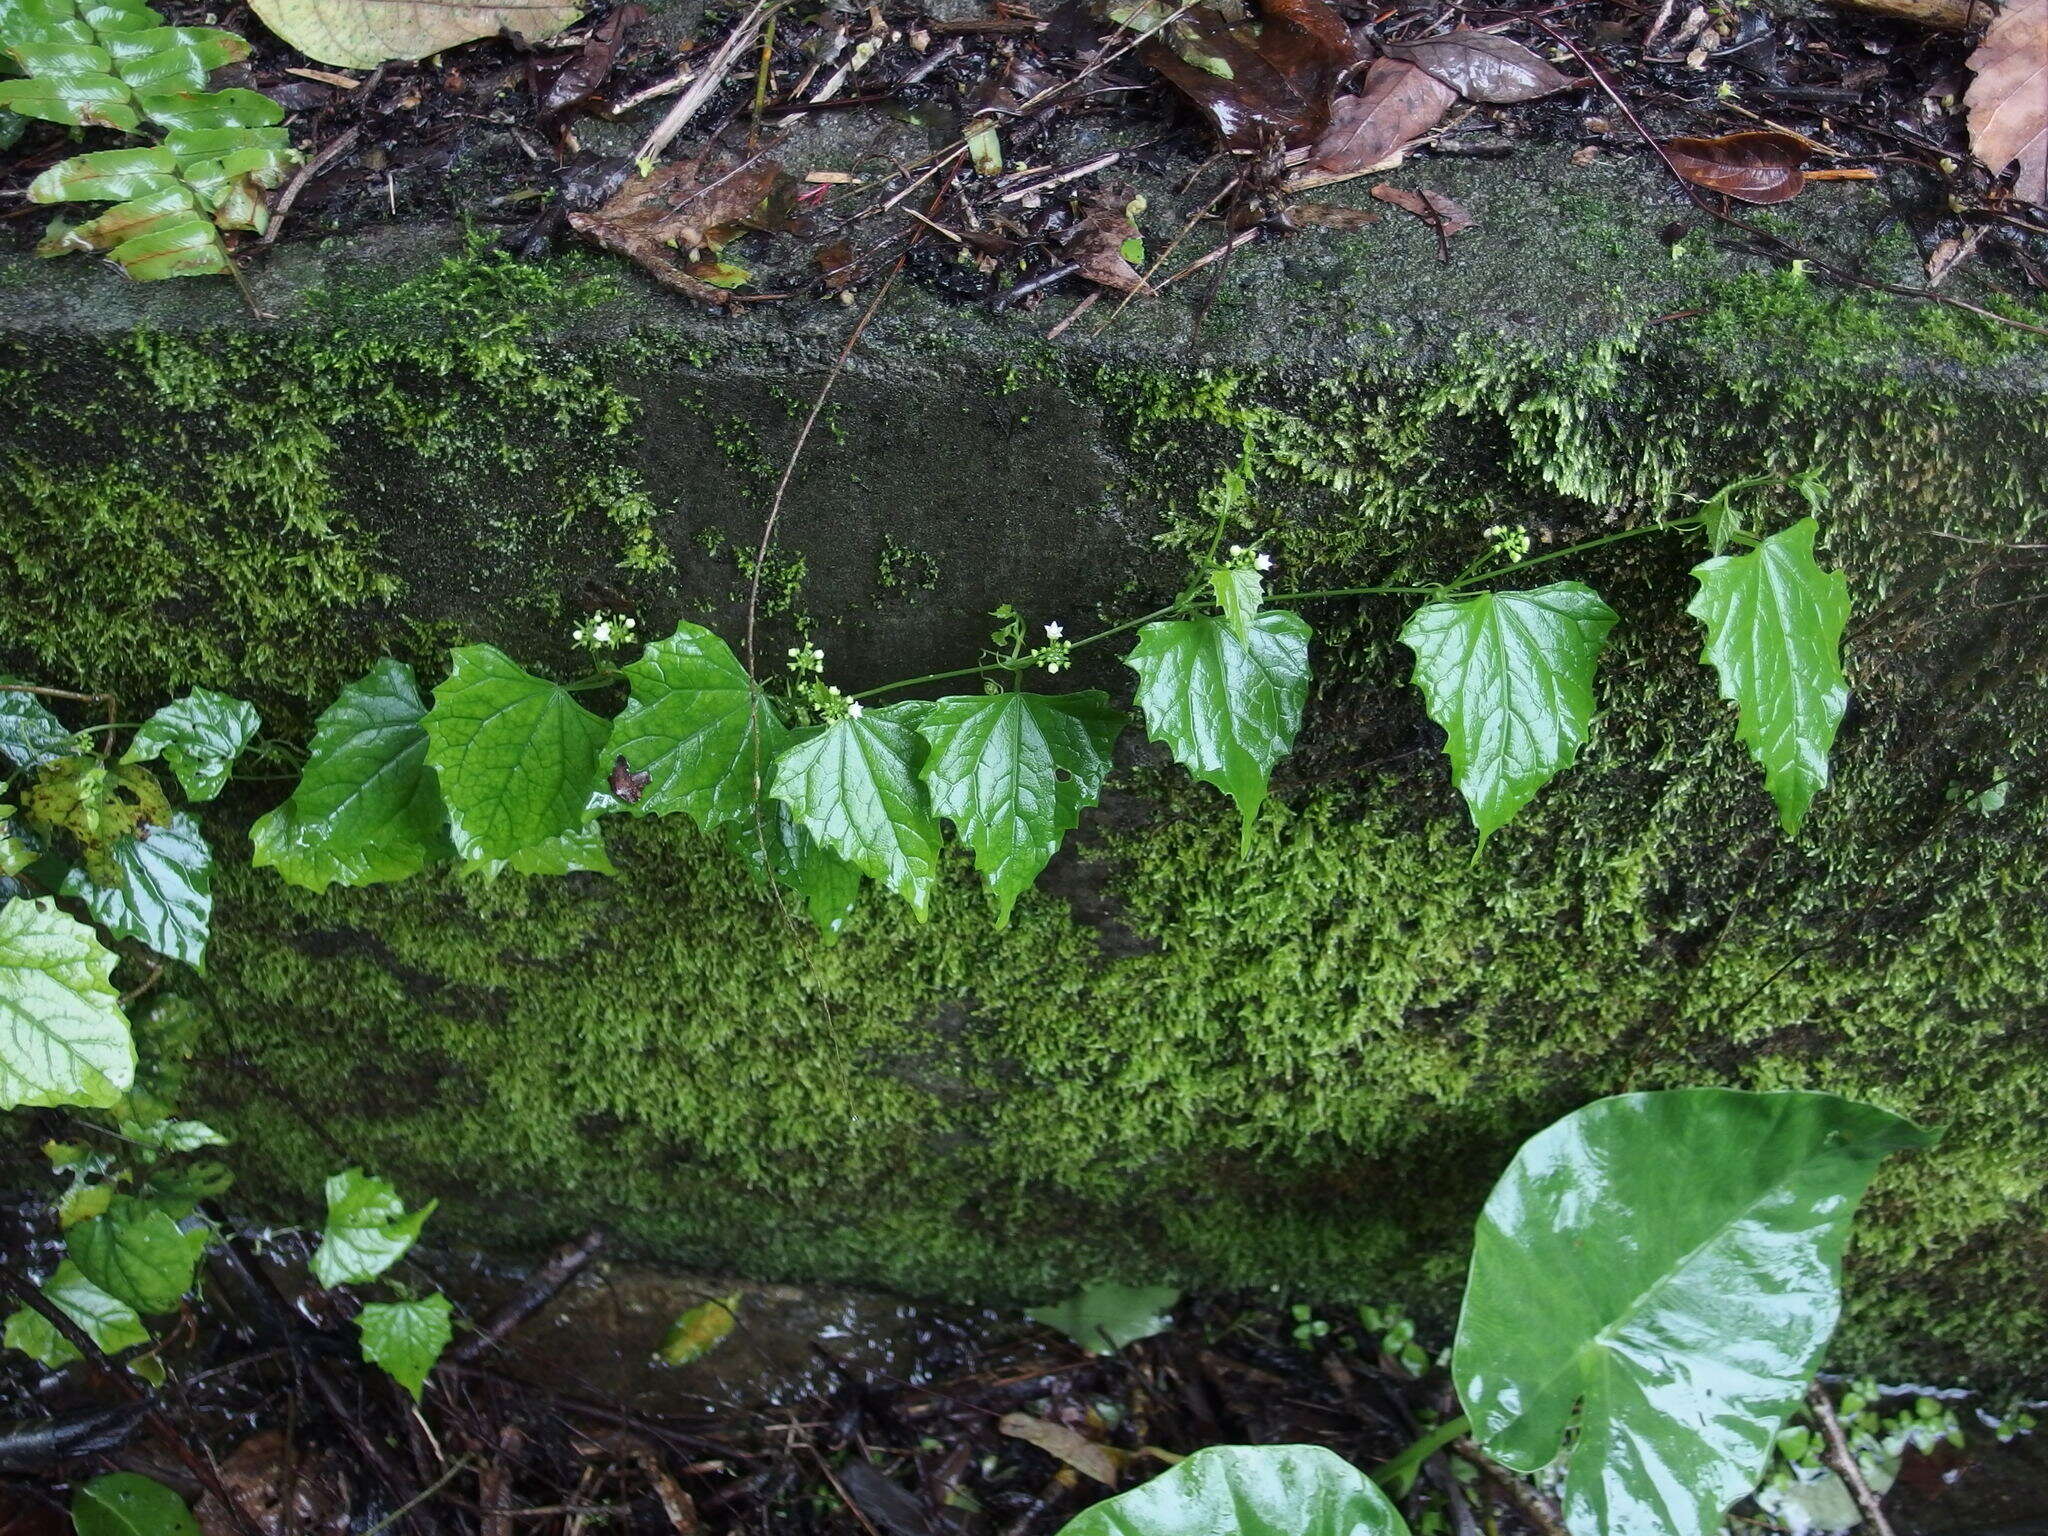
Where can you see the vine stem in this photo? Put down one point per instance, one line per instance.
(196, 1461)
(1427, 1446)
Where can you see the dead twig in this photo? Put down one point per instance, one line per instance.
(541, 1287)
(1534, 1506)
(1836, 1456)
(332, 152)
(716, 68)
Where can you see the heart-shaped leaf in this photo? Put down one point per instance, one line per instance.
(63, 1039)
(406, 1337)
(200, 736)
(138, 1254)
(165, 899)
(1774, 638)
(1670, 1263)
(367, 1231)
(1248, 1490)
(854, 787)
(1509, 676)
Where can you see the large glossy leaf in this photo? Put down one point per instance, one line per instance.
(63, 1039)
(1774, 623)
(367, 808)
(854, 787)
(406, 1337)
(1013, 772)
(129, 1504)
(138, 1254)
(106, 176)
(697, 727)
(29, 734)
(1248, 1490)
(1509, 676)
(109, 1322)
(774, 847)
(1670, 1263)
(515, 754)
(200, 736)
(165, 899)
(579, 852)
(1226, 708)
(368, 1229)
(361, 34)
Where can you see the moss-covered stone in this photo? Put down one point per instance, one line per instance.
(1301, 1068)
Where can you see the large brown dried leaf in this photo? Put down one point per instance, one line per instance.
(1255, 82)
(361, 34)
(2008, 100)
(1436, 209)
(1372, 130)
(1065, 1443)
(686, 206)
(1482, 66)
(1757, 167)
(1100, 243)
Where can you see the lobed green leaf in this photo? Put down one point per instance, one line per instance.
(165, 900)
(63, 1039)
(406, 1337)
(367, 1231)
(200, 735)
(854, 786)
(775, 847)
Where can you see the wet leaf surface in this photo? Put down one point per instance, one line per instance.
(1255, 84)
(660, 221)
(361, 34)
(1482, 66)
(1371, 131)
(1437, 209)
(1762, 167)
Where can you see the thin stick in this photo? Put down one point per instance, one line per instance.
(541, 1287)
(1837, 1457)
(1534, 1505)
(713, 76)
(454, 1471)
(306, 172)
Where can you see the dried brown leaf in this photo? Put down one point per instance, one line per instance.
(687, 206)
(1760, 167)
(1065, 1444)
(1099, 243)
(1274, 80)
(562, 82)
(1372, 130)
(2008, 100)
(1434, 208)
(257, 1476)
(1482, 66)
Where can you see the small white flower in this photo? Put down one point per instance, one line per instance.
(1055, 666)
(1053, 630)
(853, 710)
(1262, 562)
(792, 650)
(834, 691)
(1236, 550)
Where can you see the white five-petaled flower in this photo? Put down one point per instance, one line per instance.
(853, 710)
(1262, 562)
(1053, 631)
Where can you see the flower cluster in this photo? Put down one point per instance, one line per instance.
(810, 687)
(604, 632)
(1243, 558)
(1511, 544)
(1057, 654)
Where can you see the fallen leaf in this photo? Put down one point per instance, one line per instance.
(1106, 1316)
(562, 82)
(257, 1475)
(1101, 244)
(1255, 82)
(361, 34)
(2008, 100)
(699, 1331)
(1065, 1444)
(1759, 167)
(1482, 66)
(684, 208)
(882, 1502)
(1433, 208)
(1372, 130)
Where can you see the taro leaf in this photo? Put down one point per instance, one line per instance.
(1272, 80)
(1248, 1490)
(778, 848)
(63, 1039)
(367, 1229)
(1013, 772)
(361, 34)
(1482, 66)
(1106, 1316)
(367, 807)
(1755, 167)
(1509, 676)
(200, 736)
(1774, 623)
(661, 220)
(515, 755)
(1372, 130)
(29, 734)
(137, 1253)
(698, 727)
(1439, 211)
(110, 1323)
(1225, 708)
(854, 787)
(406, 1337)
(700, 1330)
(165, 900)
(581, 851)
(129, 1504)
(2008, 100)
(1671, 1262)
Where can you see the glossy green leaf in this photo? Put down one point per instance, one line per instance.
(1239, 592)
(368, 1229)
(1509, 676)
(234, 108)
(108, 176)
(83, 99)
(200, 736)
(138, 1254)
(1774, 623)
(579, 852)
(854, 787)
(1226, 708)
(698, 727)
(170, 207)
(29, 734)
(515, 754)
(1106, 1316)
(160, 59)
(63, 1039)
(128, 1504)
(367, 808)
(1248, 1490)
(182, 247)
(776, 848)
(1013, 772)
(165, 900)
(406, 1337)
(111, 1324)
(1669, 1262)
(41, 21)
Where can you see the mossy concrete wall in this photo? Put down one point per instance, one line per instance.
(1300, 1068)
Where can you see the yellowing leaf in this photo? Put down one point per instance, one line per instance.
(699, 1331)
(361, 34)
